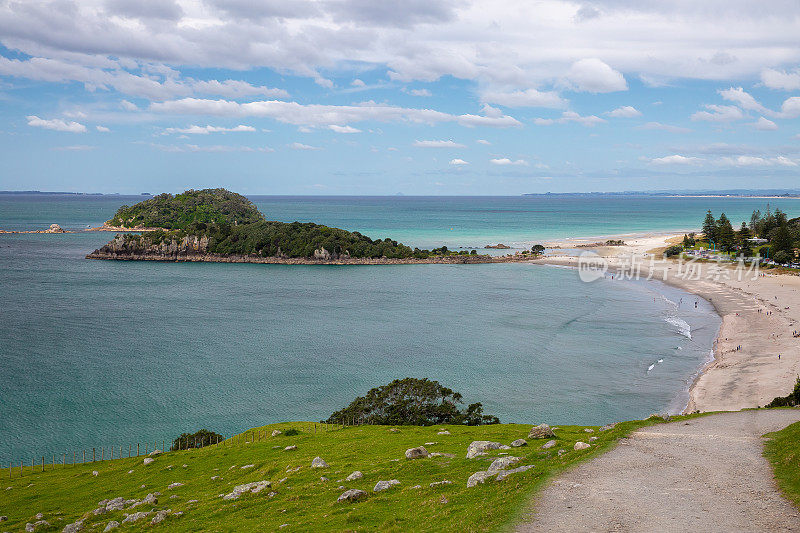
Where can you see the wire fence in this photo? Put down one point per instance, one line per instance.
(84, 456)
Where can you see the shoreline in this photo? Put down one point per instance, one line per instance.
(758, 315)
(353, 261)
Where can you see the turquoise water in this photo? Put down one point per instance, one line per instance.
(95, 353)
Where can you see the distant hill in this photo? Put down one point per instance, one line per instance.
(206, 206)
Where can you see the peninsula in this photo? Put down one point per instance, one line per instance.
(220, 226)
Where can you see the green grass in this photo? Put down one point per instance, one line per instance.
(303, 501)
(783, 452)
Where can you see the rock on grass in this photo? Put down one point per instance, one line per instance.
(383, 485)
(417, 453)
(351, 495)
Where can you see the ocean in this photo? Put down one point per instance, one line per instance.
(101, 353)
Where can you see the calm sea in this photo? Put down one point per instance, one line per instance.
(95, 353)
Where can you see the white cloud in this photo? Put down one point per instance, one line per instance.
(791, 107)
(594, 76)
(75, 148)
(205, 130)
(500, 43)
(301, 146)
(343, 129)
(743, 99)
(458, 162)
(214, 148)
(764, 124)
(420, 92)
(570, 116)
(437, 144)
(718, 113)
(675, 159)
(325, 115)
(121, 80)
(506, 161)
(102, 129)
(483, 141)
(663, 127)
(55, 124)
(525, 98)
(624, 112)
(753, 161)
(778, 79)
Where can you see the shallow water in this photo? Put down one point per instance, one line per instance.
(94, 353)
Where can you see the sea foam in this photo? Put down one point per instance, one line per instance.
(683, 327)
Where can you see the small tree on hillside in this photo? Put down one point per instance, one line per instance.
(412, 402)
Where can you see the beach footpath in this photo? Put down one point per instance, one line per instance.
(703, 474)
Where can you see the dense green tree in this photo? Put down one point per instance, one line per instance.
(781, 240)
(743, 237)
(411, 401)
(710, 228)
(726, 238)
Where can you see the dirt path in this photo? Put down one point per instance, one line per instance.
(705, 474)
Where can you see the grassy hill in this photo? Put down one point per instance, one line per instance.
(298, 497)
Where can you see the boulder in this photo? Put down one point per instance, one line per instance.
(135, 517)
(549, 444)
(542, 431)
(255, 487)
(417, 453)
(111, 525)
(73, 527)
(478, 477)
(519, 442)
(505, 473)
(117, 504)
(581, 445)
(352, 495)
(479, 447)
(159, 517)
(354, 476)
(319, 462)
(501, 464)
(383, 485)
(148, 460)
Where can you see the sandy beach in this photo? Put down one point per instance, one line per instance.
(759, 316)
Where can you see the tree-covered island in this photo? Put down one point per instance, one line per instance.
(221, 226)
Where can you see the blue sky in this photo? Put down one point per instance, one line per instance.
(365, 97)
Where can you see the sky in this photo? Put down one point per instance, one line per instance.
(419, 97)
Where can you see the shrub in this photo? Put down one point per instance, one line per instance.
(199, 439)
(412, 402)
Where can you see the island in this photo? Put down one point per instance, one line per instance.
(217, 225)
